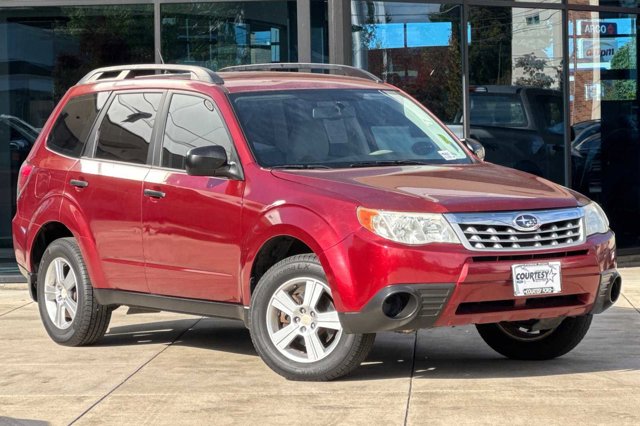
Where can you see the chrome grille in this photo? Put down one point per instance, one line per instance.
(499, 232)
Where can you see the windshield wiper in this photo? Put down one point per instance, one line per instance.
(300, 166)
(389, 163)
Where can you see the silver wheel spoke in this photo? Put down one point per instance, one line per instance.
(71, 307)
(315, 348)
(284, 303)
(69, 283)
(312, 292)
(60, 315)
(328, 320)
(49, 292)
(59, 271)
(283, 337)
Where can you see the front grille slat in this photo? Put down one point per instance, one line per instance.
(516, 233)
(498, 231)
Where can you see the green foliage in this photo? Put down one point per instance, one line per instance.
(490, 47)
(624, 59)
(534, 72)
(93, 37)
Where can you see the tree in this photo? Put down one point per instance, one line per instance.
(624, 59)
(534, 72)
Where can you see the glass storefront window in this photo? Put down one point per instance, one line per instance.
(44, 51)
(515, 75)
(605, 115)
(220, 34)
(414, 46)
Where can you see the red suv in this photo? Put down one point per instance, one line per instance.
(317, 208)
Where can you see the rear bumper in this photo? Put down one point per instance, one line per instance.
(480, 290)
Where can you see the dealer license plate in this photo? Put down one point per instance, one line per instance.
(536, 279)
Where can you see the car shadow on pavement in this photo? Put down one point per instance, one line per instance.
(612, 344)
(205, 333)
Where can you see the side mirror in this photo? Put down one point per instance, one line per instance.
(475, 147)
(209, 160)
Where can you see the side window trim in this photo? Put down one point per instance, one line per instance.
(159, 137)
(92, 145)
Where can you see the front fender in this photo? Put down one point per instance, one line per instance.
(293, 221)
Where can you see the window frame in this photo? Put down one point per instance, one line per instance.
(92, 144)
(156, 160)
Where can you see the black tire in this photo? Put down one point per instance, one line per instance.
(347, 354)
(546, 345)
(91, 319)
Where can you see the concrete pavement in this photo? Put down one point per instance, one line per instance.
(177, 369)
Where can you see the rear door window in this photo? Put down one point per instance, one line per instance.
(126, 129)
(71, 129)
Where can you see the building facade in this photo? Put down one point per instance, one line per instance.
(548, 86)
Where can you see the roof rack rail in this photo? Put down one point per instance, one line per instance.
(124, 72)
(305, 67)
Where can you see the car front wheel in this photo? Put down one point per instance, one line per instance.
(521, 340)
(295, 327)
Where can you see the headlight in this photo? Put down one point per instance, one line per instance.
(595, 220)
(408, 228)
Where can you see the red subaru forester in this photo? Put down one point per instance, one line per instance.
(317, 208)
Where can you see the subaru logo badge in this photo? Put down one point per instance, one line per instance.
(526, 222)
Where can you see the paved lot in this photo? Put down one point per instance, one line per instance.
(177, 369)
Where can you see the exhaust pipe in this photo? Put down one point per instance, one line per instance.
(614, 290)
(609, 292)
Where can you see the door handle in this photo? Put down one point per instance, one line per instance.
(79, 183)
(153, 193)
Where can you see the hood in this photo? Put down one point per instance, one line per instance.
(454, 188)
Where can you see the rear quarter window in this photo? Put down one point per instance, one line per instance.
(71, 129)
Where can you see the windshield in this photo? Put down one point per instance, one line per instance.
(342, 128)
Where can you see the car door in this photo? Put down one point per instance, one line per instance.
(192, 224)
(107, 185)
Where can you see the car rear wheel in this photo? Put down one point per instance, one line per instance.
(69, 312)
(521, 340)
(295, 327)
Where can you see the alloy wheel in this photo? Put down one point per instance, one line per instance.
(61, 293)
(302, 321)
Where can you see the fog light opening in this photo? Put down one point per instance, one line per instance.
(399, 305)
(614, 290)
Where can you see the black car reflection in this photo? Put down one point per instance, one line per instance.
(19, 136)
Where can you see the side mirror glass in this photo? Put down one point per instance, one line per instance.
(476, 147)
(208, 160)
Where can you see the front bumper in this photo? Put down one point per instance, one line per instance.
(457, 287)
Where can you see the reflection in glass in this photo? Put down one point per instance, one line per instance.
(192, 122)
(125, 131)
(220, 34)
(605, 114)
(319, 31)
(515, 72)
(414, 46)
(43, 52)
